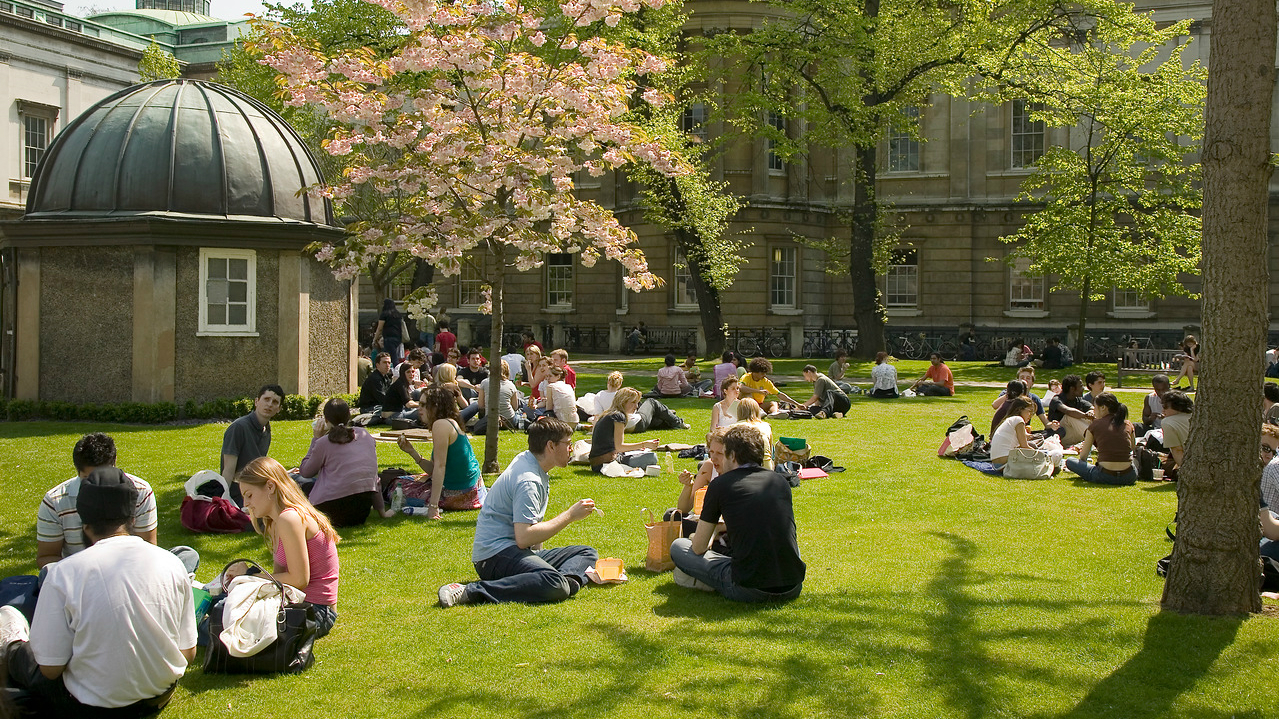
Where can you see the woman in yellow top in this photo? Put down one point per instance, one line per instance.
(757, 386)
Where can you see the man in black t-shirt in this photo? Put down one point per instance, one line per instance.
(373, 393)
(470, 376)
(755, 506)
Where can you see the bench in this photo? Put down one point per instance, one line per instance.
(1146, 362)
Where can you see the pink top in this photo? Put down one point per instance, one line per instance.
(323, 556)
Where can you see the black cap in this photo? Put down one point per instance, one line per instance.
(106, 495)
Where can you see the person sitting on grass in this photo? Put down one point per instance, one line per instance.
(757, 386)
(114, 629)
(725, 369)
(249, 437)
(1017, 388)
(707, 470)
(454, 482)
(1012, 432)
(1152, 407)
(604, 399)
(343, 461)
(559, 358)
(937, 381)
(1270, 403)
(1054, 389)
(884, 375)
(1051, 356)
(303, 542)
(838, 369)
(1095, 381)
(373, 390)
(750, 415)
(724, 412)
(508, 549)
(607, 437)
(399, 403)
(1071, 410)
(1176, 427)
(446, 377)
(828, 398)
(693, 374)
(1113, 435)
(1269, 490)
(558, 399)
(754, 504)
(532, 356)
(510, 404)
(671, 381)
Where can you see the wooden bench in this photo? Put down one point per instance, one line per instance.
(1146, 362)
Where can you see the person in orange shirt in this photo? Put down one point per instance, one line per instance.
(937, 381)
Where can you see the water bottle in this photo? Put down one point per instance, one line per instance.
(416, 511)
(670, 463)
(397, 499)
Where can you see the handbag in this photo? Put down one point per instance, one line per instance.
(214, 515)
(791, 449)
(291, 652)
(660, 535)
(1028, 464)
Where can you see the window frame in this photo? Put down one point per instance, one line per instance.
(550, 278)
(48, 114)
(1018, 281)
(692, 120)
(776, 165)
(682, 283)
(773, 276)
(1021, 129)
(476, 265)
(890, 275)
(898, 136)
(249, 328)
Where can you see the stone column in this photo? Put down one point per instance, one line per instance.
(27, 343)
(465, 332)
(155, 275)
(796, 348)
(616, 337)
(295, 323)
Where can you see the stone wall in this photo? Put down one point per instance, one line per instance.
(86, 321)
(329, 365)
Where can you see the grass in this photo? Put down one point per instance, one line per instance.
(932, 591)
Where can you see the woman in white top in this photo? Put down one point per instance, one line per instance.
(604, 400)
(561, 399)
(724, 412)
(1012, 432)
(749, 414)
(885, 376)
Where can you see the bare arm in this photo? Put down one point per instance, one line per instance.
(1023, 440)
(48, 552)
(1085, 446)
(149, 535)
(692, 483)
(999, 401)
(53, 672)
(1178, 453)
(619, 435)
(530, 535)
(188, 654)
(1269, 525)
(228, 467)
(702, 537)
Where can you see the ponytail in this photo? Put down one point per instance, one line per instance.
(338, 414)
(1116, 410)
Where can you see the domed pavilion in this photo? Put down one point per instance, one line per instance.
(161, 257)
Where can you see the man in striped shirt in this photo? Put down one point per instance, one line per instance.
(59, 531)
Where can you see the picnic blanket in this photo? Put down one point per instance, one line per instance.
(984, 467)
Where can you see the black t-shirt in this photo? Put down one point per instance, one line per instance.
(373, 391)
(391, 328)
(474, 376)
(755, 505)
(398, 395)
(604, 433)
(1052, 357)
(1054, 409)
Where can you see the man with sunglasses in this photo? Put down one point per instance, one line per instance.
(511, 528)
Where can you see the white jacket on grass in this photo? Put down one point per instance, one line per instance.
(249, 614)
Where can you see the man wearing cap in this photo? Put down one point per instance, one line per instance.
(115, 627)
(249, 437)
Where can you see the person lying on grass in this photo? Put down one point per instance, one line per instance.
(757, 386)
(511, 528)
(755, 506)
(828, 398)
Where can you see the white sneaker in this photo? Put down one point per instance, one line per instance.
(13, 626)
(684, 579)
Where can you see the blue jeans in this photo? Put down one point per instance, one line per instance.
(716, 570)
(1094, 473)
(531, 576)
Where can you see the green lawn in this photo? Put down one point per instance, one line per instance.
(932, 591)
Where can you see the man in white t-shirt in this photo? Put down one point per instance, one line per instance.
(114, 628)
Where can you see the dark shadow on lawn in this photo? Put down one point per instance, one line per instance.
(1177, 651)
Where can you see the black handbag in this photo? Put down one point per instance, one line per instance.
(291, 652)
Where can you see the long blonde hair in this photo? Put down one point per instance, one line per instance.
(265, 472)
(748, 411)
(624, 396)
(445, 373)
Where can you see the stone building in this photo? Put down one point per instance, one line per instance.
(950, 197)
(161, 257)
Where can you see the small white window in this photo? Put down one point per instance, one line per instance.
(1027, 134)
(470, 283)
(559, 280)
(901, 288)
(1130, 301)
(775, 162)
(1025, 292)
(693, 120)
(228, 292)
(782, 277)
(685, 295)
(903, 148)
(36, 128)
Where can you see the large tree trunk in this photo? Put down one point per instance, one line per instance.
(423, 273)
(498, 251)
(708, 301)
(1081, 342)
(868, 308)
(1215, 562)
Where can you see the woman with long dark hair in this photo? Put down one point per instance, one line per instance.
(1113, 436)
(453, 480)
(389, 334)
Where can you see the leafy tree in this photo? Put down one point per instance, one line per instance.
(849, 69)
(473, 130)
(1214, 566)
(1119, 200)
(157, 64)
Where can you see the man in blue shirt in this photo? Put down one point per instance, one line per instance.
(509, 533)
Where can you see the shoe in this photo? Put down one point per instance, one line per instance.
(685, 425)
(13, 626)
(838, 415)
(453, 594)
(821, 414)
(685, 579)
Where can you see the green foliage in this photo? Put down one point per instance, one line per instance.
(157, 64)
(1119, 203)
(293, 407)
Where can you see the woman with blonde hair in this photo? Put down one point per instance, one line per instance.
(446, 377)
(303, 542)
(608, 436)
(749, 414)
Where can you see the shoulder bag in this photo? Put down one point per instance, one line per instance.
(292, 651)
(1028, 464)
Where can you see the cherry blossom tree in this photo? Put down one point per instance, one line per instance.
(490, 109)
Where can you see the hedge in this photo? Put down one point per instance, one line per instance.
(294, 407)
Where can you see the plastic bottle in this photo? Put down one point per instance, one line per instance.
(416, 511)
(670, 463)
(397, 499)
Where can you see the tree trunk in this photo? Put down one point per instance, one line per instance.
(1215, 562)
(708, 300)
(423, 273)
(494, 426)
(1081, 342)
(868, 308)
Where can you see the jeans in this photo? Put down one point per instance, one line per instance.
(1270, 548)
(884, 394)
(469, 411)
(482, 424)
(716, 571)
(932, 389)
(427, 340)
(655, 415)
(531, 576)
(32, 692)
(1094, 473)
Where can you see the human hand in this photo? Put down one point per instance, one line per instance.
(581, 509)
(404, 444)
(432, 512)
(320, 427)
(235, 570)
(652, 443)
(686, 477)
(1054, 425)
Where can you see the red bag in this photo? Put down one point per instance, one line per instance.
(214, 515)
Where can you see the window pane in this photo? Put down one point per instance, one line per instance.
(238, 269)
(559, 280)
(685, 295)
(782, 279)
(903, 148)
(1024, 291)
(775, 161)
(470, 285)
(1027, 135)
(693, 121)
(35, 139)
(216, 291)
(217, 268)
(237, 315)
(238, 291)
(217, 314)
(902, 283)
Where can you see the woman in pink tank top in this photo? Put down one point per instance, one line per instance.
(303, 541)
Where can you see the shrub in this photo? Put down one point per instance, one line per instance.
(293, 407)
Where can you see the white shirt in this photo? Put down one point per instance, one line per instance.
(563, 401)
(57, 517)
(885, 376)
(117, 615)
(514, 362)
(1005, 437)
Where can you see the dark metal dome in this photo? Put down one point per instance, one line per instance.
(183, 148)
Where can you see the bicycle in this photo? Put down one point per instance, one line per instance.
(825, 343)
(755, 344)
